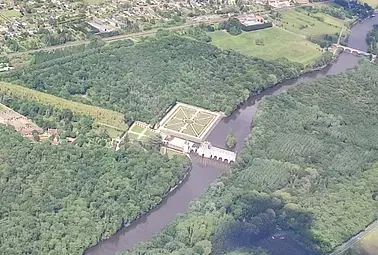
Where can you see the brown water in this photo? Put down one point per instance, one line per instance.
(205, 171)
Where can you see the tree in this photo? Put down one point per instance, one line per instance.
(155, 142)
(36, 136)
(231, 140)
(88, 192)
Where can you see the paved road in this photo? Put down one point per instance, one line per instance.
(355, 239)
(153, 32)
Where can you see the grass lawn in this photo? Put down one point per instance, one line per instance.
(113, 133)
(148, 132)
(278, 43)
(295, 20)
(137, 129)
(189, 131)
(2, 108)
(139, 133)
(94, 1)
(171, 153)
(9, 14)
(133, 136)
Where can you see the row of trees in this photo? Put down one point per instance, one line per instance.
(307, 168)
(143, 80)
(63, 199)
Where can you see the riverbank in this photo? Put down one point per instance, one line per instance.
(203, 175)
(127, 237)
(186, 173)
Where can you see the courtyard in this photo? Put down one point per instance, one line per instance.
(189, 122)
(139, 131)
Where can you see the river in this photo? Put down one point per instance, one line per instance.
(204, 172)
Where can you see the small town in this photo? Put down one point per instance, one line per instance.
(28, 25)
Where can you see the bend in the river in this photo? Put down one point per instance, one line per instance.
(204, 172)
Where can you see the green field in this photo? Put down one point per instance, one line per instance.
(367, 246)
(372, 3)
(300, 22)
(137, 132)
(9, 14)
(94, 1)
(2, 108)
(278, 43)
(112, 132)
(137, 129)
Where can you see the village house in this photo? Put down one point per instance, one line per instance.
(252, 22)
(279, 3)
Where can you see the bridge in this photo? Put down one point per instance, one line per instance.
(206, 150)
(355, 51)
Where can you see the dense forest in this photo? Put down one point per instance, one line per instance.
(372, 40)
(356, 8)
(68, 124)
(62, 199)
(142, 80)
(309, 168)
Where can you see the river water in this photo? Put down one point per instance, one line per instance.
(204, 172)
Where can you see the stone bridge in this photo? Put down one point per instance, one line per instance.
(356, 51)
(206, 150)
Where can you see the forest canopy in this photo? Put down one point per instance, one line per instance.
(59, 200)
(144, 79)
(310, 163)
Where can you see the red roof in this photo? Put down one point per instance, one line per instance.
(52, 131)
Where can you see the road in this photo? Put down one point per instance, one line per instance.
(355, 239)
(153, 31)
(116, 38)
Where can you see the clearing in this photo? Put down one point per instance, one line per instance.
(277, 42)
(317, 25)
(189, 122)
(22, 124)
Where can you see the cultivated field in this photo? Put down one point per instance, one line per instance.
(372, 3)
(278, 43)
(189, 121)
(101, 116)
(300, 22)
(21, 124)
(367, 246)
